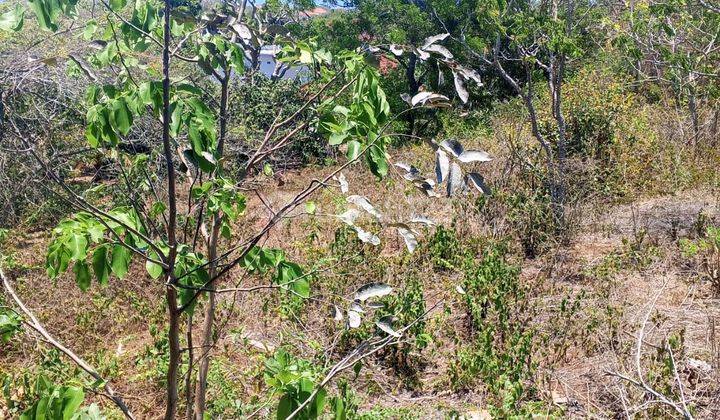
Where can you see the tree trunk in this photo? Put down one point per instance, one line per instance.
(208, 323)
(171, 292)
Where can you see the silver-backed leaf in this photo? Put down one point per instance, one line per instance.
(372, 290)
(344, 187)
(455, 180)
(460, 87)
(412, 173)
(349, 216)
(433, 39)
(469, 73)
(386, 324)
(422, 54)
(364, 203)
(453, 146)
(336, 313)
(356, 308)
(242, 30)
(439, 49)
(429, 99)
(442, 165)
(396, 50)
(427, 186)
(353, 319)
(474, 156)
(367, 237)
(477, 181)
(375, 305)
(404, 166)
(409, 237)
(413, 176)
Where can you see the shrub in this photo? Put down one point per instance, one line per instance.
(501, 340)
(704, 252)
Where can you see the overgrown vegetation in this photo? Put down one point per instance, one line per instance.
(359, 209)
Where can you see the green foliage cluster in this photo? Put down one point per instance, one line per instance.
(47, 401)
(705, 253)
(502, 341)
(294, 379)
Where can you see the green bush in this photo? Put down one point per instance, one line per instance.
(499, 350)
(704, 252)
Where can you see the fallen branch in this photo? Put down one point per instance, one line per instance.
(681, 408)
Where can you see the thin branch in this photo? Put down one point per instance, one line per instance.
(80, 362)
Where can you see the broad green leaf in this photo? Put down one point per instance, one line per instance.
(155, 270)
(120, 260)
(121, 115)
(82, 275)
(377, 161)
(77, 244)
(100, 265)
(46, 12)
(90, 28)
(301, 287)
(353, 149)
(117, 4)
(13, 19)
(72, 397)
(337, 138)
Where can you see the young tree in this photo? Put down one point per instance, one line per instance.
(521, 41)
(158, 67)
(675, 44)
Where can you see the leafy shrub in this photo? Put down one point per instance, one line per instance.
(443, 248)
(704, 252)
(294, 379)
(43, 400)
(531, 217)
(499, 353)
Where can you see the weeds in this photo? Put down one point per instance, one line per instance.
(704, 253)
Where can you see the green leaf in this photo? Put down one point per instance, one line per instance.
(77, 244)
(155, 270)
(116, 5)
(353, 149)
(100, 265)
(301, 287)
(13, 19)
(120, 260)
(285, 407)
(310, 207)
(268, 170)
(90, 28)
(82, 275)
(337, 138)
(377, 161)
(72, 397)
(10, 324)
(121, 115)
(46, 12)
